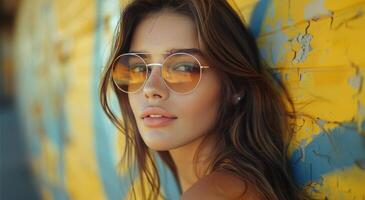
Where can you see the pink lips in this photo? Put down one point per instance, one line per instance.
(156, 117)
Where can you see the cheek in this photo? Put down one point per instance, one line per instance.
(198, 112)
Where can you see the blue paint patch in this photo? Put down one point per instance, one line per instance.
(50, 122)
(269, 14)
(273, 50)
(258, 17)
(54, 118)
(168, 182)
(328, 153)
(55, 126)
(278, 41)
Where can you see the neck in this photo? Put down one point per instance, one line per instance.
(183, 158)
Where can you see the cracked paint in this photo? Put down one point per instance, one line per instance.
(301, 46)
(302, 53)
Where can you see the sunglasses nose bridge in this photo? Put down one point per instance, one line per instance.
(150, 70)
(154, 64)
(149, 67)
(154, 78)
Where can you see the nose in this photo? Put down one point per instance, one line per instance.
(154, 88)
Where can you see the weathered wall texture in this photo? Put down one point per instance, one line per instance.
(315, 45)
(317, 48)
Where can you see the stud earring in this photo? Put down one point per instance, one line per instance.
(237, 99)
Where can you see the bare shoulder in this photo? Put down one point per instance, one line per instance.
(221, 186)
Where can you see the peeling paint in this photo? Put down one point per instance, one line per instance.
(305, 47)
(355, 81)
(316, 9)
(301, 45)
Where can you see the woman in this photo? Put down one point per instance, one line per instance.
(191, 87)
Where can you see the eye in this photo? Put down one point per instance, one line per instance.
(138, 67)
(186, 67)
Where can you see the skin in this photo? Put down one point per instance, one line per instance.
(196, 112)
(221, 186)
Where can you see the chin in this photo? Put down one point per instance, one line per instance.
(157, 140)
(160, 146)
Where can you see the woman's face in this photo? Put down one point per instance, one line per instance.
(191, 116)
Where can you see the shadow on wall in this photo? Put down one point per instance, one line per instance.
(16, 180)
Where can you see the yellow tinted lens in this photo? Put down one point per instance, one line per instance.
(129, 72)
(181, 72)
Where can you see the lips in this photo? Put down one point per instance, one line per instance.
(156, 112)
(157, 117)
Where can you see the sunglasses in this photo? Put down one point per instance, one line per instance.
(181, 72)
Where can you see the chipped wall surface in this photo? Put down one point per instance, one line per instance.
(316, 46)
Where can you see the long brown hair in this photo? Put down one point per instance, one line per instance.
(253, 134)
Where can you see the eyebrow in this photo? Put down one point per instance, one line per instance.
(193, 51)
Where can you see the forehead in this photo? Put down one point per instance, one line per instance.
(162, 31)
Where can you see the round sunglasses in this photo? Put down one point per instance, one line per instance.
(181, 72)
